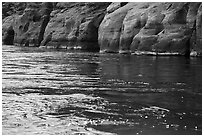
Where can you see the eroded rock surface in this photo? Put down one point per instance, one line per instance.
(30, 26)
(171, 28)
(153, 28)
(76, 22)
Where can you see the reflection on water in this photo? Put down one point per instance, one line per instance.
(73, 92)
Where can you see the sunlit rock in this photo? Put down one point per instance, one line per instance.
(155, 27)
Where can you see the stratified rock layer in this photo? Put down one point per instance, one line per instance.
(152, 28)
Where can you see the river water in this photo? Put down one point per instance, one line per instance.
(47, 91)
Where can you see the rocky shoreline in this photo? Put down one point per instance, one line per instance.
(145, 28)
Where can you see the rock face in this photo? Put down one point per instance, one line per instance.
(152, 28)
(30, 26)
(197, 34)
(169, 28)
(76, 23)
(10, 8)
(7, 30)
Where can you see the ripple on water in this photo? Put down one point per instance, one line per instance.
(41, 114)
(49, 92)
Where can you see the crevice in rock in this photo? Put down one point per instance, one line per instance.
(20, 27)
(26, 27)
(9, 36)
(170, 5)
(42, 29)
(188, 51)
(27, 43)
(123, 4)
(46, 18)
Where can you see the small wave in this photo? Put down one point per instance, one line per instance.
(155, 108)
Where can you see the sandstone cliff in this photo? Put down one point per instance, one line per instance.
(76, 23)
(30, 26)
(171, 28)
(152, 28)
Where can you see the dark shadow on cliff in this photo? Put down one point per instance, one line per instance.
(9, 36)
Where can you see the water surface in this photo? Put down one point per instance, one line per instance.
(46, 91)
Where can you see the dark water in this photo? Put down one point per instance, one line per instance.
(74, 92)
